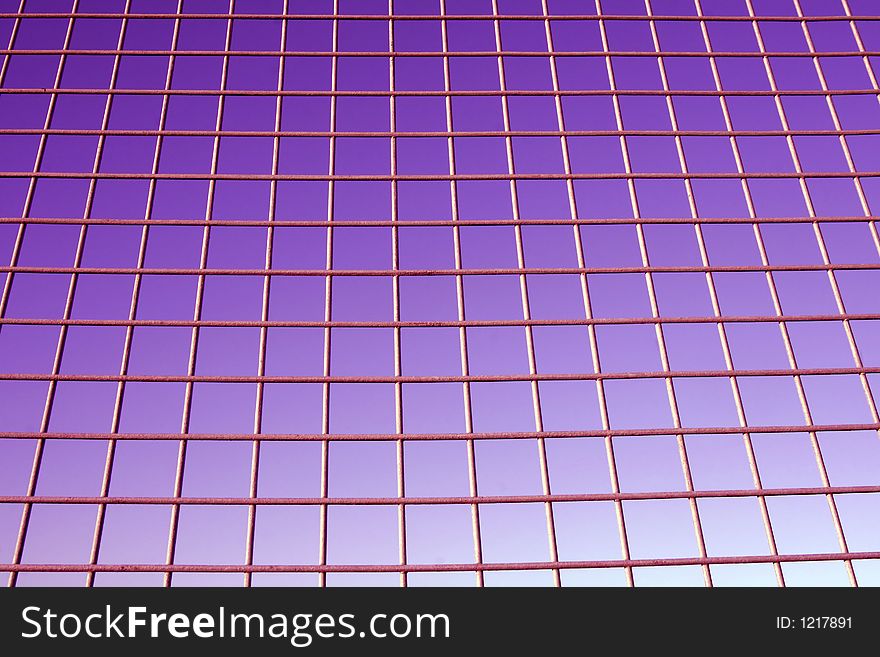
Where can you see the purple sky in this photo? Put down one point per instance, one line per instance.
(691, 207)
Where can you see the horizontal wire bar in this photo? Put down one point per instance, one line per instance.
(435, 93)
(434, 133)
(341, 54)
(467, 323)
(448, 500)
(446, 567)
(506, 435)
(381, 223)
(436, 18)
(500, 271)
(672, 175)
(472, 378)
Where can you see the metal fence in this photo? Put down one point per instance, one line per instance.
(735, 139)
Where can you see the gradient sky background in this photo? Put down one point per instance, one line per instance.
(209, 196)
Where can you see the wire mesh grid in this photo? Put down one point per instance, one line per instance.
(414, 293)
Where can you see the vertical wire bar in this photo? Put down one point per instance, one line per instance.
(328, 306)
(811, 211)
(459, 293)
(90, 196)
(16, 252)
(126, 351)
(863, 200)
(713, 293)
(524, 297)
(585, 293)
(664, 352)
(19, 236)
(725, 344)
(197, 313)
(652, 295)
(395, 285)
(606, 423)
(860, 44)
(264, 311)
(129, 332)
(16, 24)
(56, 364)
